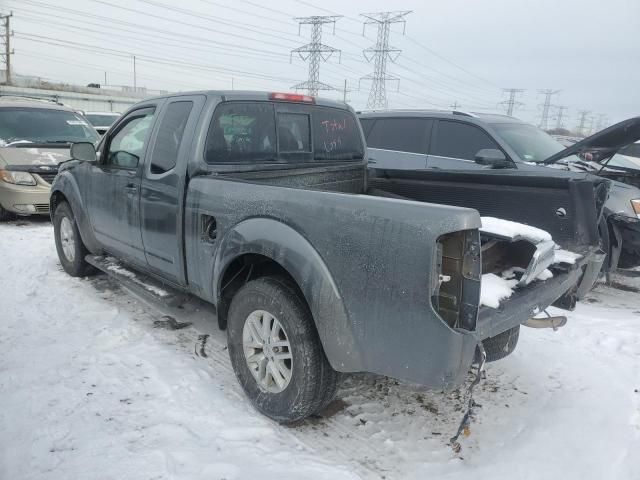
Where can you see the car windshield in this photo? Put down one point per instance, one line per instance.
(100, 119)
(43, 126)
(529, 142)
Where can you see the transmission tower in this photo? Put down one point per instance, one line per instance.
(602, 122)
(511, 102)
(560, 116)
(380, 54)
(6, 52)
(544, 118)
(315, 52)
(582, 115)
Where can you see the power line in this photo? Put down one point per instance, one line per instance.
(315, 52)
(380, 54)
(511, 102)
(544, 117)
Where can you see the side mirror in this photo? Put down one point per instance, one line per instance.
(492, 157)
(83, 151)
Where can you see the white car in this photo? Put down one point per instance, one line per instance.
(101, 121)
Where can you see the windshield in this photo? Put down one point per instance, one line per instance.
(100, 119)
(529, 142)
(36, 125)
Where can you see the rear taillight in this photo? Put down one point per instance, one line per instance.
(292, 97)
(459, 271)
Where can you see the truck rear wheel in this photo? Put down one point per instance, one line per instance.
(502, 344)
(276, 352)
(71, 250)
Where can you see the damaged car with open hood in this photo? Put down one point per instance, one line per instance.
(599, 155)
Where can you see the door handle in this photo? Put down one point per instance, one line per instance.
(131, 187)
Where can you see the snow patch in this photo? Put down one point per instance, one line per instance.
(126, 273)
(565, 256)
(546, 274)
(506, 228)
(494, 289)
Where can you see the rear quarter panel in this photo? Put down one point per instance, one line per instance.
(365, 265)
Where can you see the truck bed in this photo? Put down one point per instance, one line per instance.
(566, 207)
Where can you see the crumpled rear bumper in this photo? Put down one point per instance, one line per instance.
(527, 302)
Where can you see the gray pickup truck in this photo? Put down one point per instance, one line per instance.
(259, 204)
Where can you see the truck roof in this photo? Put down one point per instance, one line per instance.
(250, 95)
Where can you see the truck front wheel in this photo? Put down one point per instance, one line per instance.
(276, 352)
(71, 250)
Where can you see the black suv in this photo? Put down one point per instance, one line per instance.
(462, 143)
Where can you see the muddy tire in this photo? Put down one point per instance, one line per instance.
(276, 353)
(502, 344)
(71, 250)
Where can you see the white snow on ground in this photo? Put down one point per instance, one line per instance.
(510, 229)
(494, 289)
(92, 388)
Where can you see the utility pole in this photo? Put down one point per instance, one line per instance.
(315, 52)
(380, 54)
(582, 115)
(544, 118)
(511, 103)
(560, 115)
(105, 78)
(6, 55)
(455, 105)
(135, 80)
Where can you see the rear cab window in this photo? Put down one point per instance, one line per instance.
(245, 132)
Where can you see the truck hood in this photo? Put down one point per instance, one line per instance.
(606, 142)
(33, 156)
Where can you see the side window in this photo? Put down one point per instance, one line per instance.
(401, 134)
(459, 140)
(170, 132)
(127, 145)
(242, 132)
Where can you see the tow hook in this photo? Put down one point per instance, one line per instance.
(463, 429)
(549, 322)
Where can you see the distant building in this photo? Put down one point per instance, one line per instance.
(98, 98)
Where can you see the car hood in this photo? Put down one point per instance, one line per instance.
(33, 156)
(607, 142)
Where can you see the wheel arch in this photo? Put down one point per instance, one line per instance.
(66, 189)
(264, 246)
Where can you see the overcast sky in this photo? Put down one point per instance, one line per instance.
(460, 51)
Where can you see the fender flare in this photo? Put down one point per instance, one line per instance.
(285, 246)
(66, 185)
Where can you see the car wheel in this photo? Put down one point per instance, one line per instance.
(276, 352)
(71, 250)
(502, 344)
